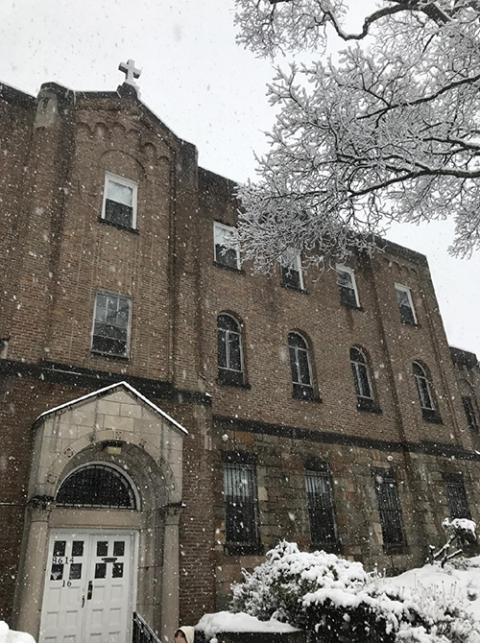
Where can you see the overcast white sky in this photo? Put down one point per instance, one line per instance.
(205, 88)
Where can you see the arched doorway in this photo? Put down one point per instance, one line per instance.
(90, 582)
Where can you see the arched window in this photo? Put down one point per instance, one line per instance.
(361, 378)
(97, 485)
(425, 392)
(230, 352)
(301, 367)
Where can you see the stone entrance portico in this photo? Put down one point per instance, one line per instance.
(114, 426)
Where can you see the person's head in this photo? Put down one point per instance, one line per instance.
(180, 637)
(185, 634)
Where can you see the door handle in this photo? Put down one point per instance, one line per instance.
(83, 600)
(90, 590)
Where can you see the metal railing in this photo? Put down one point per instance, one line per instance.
(142, 632)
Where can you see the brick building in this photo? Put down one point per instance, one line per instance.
(167, 415)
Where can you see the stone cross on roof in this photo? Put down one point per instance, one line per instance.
(131, 72)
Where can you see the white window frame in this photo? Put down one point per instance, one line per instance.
(296, 265)
(407, 290)
(341, 267)
(95, 351)
(227, 348)
(218, 229)
(109, 176)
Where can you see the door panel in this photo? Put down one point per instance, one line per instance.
(88, 588)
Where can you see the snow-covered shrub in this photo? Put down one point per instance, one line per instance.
(460, 532)
(330, 598)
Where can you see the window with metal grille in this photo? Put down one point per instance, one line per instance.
(230, 351)
(120, 201)
(361, 378)
(347, 286)
(226, 249)
(240, 489)
(300, 367)
(456, 496)
(389, 508)
(111, 324)
(469, 408)
(405, 304)
(321, 512)
(425, 392)
(97, 485)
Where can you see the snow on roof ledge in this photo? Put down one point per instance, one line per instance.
(103, 391)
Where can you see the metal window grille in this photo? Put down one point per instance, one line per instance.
(456, 496)
(97, 485)
(389, 507)
(320, 507)
(470, 413)
(240, 489)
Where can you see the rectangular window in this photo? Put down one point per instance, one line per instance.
(321, 512)
(347, 286)
(405, 304)
(120, 201)
(240, 489)
(292, 275)
(470, 413)
(111, 324)
(226, 249)
(456, 496)
(389, 508)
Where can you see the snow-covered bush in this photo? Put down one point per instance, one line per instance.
(330, 598)
(460, 532)
(335, 600)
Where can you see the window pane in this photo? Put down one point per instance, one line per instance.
(120, 193)
(226, 246)
(110, 332)
(234, 352)
(364, 383)
(222, 348)
(470, 413)
(303, 367)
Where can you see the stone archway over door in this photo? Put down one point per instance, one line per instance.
(90, 586)
(119, 430)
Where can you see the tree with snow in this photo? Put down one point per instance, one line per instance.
(386, 130)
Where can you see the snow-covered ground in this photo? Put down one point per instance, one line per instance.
(457, 583)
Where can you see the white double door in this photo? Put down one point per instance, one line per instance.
(89, 587)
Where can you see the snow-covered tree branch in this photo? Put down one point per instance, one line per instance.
(386, 130)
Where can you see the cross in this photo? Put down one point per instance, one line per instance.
(130, 72)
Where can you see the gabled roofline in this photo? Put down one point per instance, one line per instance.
(103, 391)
